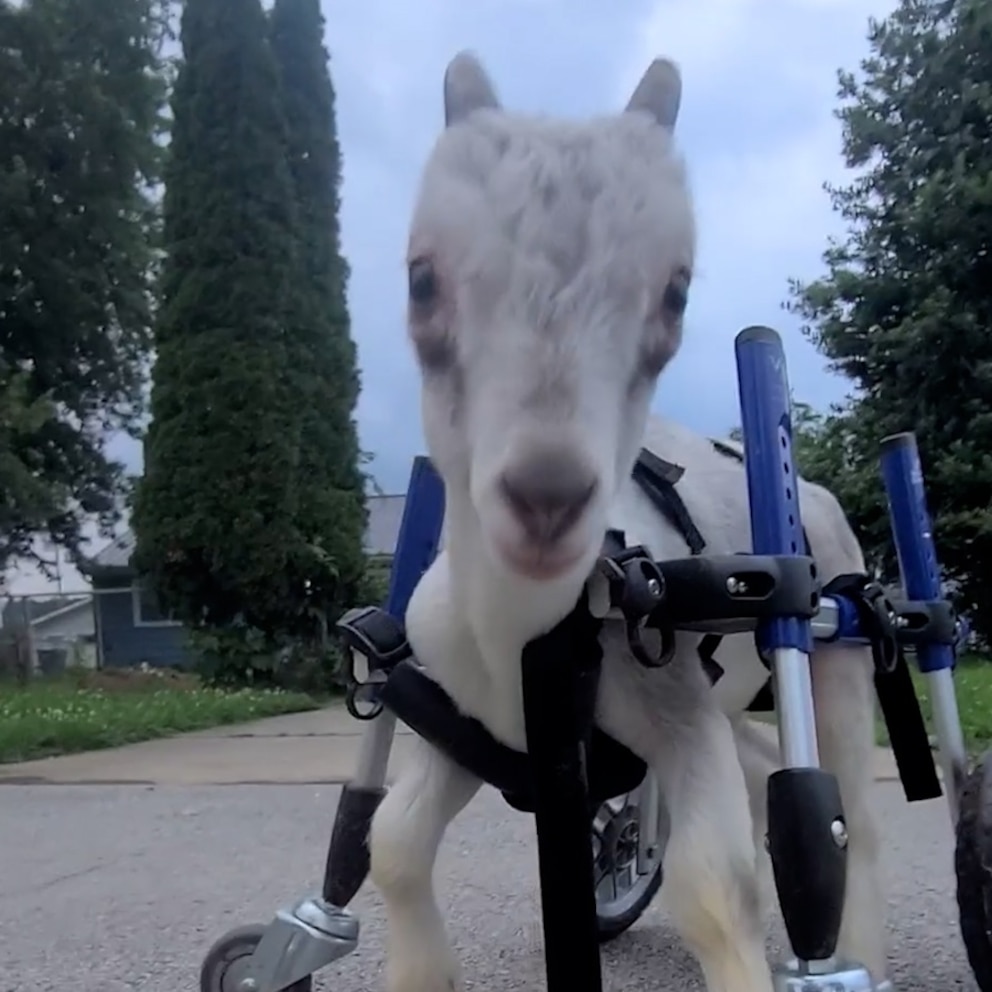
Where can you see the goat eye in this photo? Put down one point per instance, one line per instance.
(436, 356)
(675, 298)
(423, 285)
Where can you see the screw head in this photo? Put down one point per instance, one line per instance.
(838, 830)
(732, 585)
(654, 587)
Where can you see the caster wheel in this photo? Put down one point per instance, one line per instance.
(973, 868)
(225, 968)
(622, 895)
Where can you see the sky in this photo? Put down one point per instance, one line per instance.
(757, 129)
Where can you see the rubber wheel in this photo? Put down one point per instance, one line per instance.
(973, 868)
(225, 966)
(622, 895)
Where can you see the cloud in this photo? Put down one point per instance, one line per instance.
(763, 217)
(760, 136)
(542, 57)
(756, 126)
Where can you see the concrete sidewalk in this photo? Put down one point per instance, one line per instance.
(316, 747)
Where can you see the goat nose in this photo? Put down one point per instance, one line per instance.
(547, 495)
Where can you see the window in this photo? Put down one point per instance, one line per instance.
(147, 612)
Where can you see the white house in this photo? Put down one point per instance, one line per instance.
(65, 624)
(49, 634)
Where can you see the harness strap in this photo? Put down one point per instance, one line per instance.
(707, 648)
(894, 687)
(657, 479)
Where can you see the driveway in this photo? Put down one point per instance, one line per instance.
(112, 887)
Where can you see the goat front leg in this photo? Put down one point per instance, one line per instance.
(759, 758)
(843, 693)
(711, 867)
(404, 838)
(711, 879)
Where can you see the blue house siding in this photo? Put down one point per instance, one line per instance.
(122, 644)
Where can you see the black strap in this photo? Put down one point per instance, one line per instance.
(705, 650)
(657, 479)
(894, 687)
(727, 449)
(559, 676)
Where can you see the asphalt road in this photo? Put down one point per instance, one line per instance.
(113, 888)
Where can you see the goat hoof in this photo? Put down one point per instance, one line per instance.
(438, 974)
(425, 983)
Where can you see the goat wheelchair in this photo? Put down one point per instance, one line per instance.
(600, 822)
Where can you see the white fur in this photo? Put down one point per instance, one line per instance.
(553, 244)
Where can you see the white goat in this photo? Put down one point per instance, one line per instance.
(549, 265)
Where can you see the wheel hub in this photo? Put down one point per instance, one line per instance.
(619, 839)
(236, 976)
(246, 984)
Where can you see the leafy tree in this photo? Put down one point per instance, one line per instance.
(813, 448)
(217, 512)
(82, 94)
(905, 309)
(27, 500)
(331, 510)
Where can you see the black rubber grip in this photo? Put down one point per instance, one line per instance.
(347, 864)
(807, 842)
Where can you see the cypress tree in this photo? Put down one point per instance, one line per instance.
(331, 498)
(216, 512)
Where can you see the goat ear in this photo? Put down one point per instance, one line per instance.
(659, 93)
(466, 88)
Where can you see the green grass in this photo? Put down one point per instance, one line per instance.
(973, 687)
(84, 711)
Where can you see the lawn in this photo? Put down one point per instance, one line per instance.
(86, 710)
(973, 681)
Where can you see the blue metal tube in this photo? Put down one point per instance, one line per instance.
(837, 620)
(416, 546)
(912, 532)
(419, 536)
(348, 855)
(776, 527)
